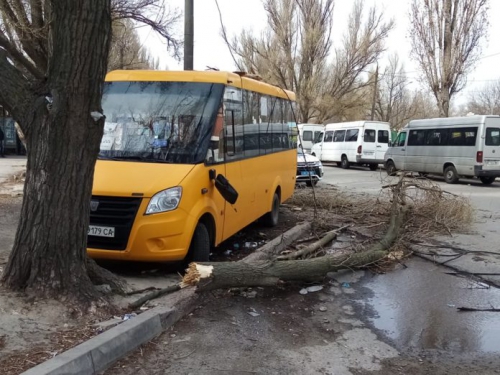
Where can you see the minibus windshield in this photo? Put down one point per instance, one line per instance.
(168, 122)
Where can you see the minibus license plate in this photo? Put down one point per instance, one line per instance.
(307, 173)
(95, 230)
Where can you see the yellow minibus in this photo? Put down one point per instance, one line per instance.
(187, 159)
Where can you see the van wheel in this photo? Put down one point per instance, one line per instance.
(309, 183)
(373, 167)
(339, 164)
(450, 175)
(487, 180)
(199, 249)
(344, 162)
(390, 168)
(272, 217)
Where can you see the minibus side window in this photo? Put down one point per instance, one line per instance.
(352, 135)
(400, 141)
(339, 136)
(328, 136)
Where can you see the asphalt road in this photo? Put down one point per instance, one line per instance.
(483, 236)
(363, 180)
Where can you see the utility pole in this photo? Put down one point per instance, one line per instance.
(374, 94)
(188, 34)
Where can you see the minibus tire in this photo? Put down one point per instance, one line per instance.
(271, 219)
(199, 250)
(487, 180)
(450, 175)
(344, 162)
(373, 167)
(390, 168)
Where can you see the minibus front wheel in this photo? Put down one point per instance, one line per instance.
(199, 250)
(390, 168)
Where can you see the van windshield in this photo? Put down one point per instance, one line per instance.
(159, 121)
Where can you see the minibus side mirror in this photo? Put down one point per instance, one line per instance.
(225, 189)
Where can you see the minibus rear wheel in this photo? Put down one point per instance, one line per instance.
(373, 167)
(450, 175)
(344, 163)
(199, 249)
(487, 180)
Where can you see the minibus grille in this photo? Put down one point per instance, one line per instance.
(116, 212)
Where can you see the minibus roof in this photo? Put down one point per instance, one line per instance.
(449, 121)
(353, 124)
(239, 80)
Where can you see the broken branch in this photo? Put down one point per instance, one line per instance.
(330, 236)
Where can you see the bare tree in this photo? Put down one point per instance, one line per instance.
(362, 46)
(445, 38)
(53, 59)
(295, 50)
(485, 101)
(395, 103)
(126, 51)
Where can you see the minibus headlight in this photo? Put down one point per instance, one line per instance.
(166, 200)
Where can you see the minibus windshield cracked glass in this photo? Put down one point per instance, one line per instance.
(167, 122)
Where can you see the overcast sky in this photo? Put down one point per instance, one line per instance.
(210, 50)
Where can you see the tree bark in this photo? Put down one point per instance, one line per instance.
(238, 274)
(49, 253)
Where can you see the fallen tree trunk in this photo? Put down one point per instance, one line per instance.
(210, 276)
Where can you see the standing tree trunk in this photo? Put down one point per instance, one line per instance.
(49, 253)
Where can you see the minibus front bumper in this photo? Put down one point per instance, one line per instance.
(150, 238)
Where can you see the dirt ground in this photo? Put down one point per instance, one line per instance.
(263, 331)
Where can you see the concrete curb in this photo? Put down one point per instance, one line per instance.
(101, 351)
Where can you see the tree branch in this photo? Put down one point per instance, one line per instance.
(15, 92)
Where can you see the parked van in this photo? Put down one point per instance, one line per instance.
(357, 142)
(453, 147)
(309, 134)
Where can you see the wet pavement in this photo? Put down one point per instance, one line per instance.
(416, 308)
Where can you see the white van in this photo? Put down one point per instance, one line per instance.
(357, 142)
(453, 147)
(309, 134)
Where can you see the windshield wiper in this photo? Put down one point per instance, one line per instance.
(140, 158)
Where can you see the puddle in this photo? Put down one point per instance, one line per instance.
(416, 307)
